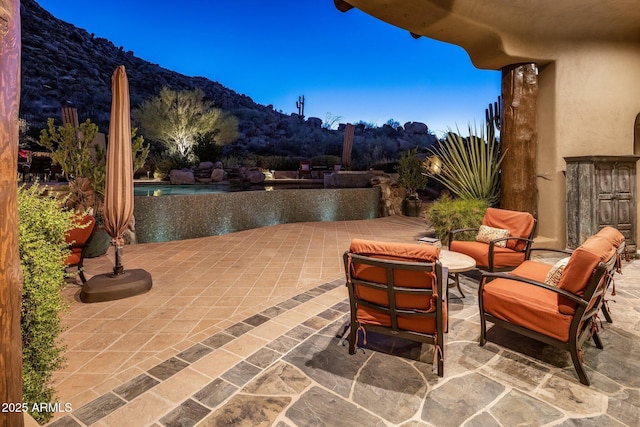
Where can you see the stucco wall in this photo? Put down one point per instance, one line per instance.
(588, 101)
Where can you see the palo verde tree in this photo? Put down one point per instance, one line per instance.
(178, 119)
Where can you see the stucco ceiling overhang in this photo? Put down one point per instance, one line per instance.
(496, 33)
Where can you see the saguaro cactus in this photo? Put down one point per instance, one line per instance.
(300, 106)
(493, 115)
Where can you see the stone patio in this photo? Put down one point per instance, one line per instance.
(244, 329)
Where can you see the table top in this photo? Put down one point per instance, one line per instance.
(456, 262)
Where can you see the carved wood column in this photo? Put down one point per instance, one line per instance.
(10, 274)
(519, 137)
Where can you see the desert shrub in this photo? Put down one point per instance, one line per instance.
(447, 214)
(43, 250)
(206, 149)
(470, 167)
(329, 161)
(369, 151)
(278, 163)
(169, 160)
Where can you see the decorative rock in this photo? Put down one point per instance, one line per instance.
(315, 122)
(391, 194)
(254, 176)
(206, 165)
(416, 128)
(183, 176)
(217, 175)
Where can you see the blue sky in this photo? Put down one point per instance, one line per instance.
(349, 65)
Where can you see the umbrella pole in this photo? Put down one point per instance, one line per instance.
(118, 269)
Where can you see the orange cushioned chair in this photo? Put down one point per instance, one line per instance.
(519, 226)
(538, 271)
(561, 315)
(78, 239)
(396, 289)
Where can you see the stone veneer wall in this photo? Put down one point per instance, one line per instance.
(167, 218)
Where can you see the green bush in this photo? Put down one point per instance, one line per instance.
(447, 214)
(206, 149)
(171, 160)
(410, 174)
(329, 161)
(43, 250)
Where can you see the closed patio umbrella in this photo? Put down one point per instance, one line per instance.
(347, 146)
(118, 195)
(118, 201)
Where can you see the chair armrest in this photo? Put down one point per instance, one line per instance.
(573, 297)
(563, 251)
(504, 239)
(492, 245)
(457, 231)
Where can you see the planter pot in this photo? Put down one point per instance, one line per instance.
(99, 243)
(412, 207)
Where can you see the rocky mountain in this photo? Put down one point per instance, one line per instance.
(63, 65)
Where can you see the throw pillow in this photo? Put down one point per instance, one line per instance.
(553, 276)
(486, 234)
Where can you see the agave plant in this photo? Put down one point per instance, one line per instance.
(468, 167)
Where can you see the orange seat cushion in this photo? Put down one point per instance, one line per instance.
(526, 305)
(411, 279)
(519, 224)
(502, 257)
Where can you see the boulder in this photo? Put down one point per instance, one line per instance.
(183, 176)
(416, 128)
(314, 122)
(254, 176)
(217, 175)
(206, 165)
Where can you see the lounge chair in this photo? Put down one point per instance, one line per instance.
(505, 244)
(562, 315)
(396, 289)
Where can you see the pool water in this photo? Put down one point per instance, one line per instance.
(173, 190)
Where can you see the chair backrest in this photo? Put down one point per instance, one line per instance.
(581, 268)
(78, 237)
(305, 165)
(519, 224)
(398, 285)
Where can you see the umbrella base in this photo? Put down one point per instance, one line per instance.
(107, 287)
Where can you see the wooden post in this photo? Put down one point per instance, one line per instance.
(519, 137)
(10, 274)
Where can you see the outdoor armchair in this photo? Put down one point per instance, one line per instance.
(563, 315)
(516, 230)
(304, 170)
(78, 239)
(396, 289)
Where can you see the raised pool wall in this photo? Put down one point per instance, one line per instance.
(167, 218)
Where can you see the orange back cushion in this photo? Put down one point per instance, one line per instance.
(612, 235)
(580, 268)
(408, 252)
(519, 224)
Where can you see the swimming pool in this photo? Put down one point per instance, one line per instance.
(144, 189)
(176, 216)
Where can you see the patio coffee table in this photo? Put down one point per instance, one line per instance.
(455, 263)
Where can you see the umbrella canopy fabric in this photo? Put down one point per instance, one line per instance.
(348, 144)
(118, 198)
